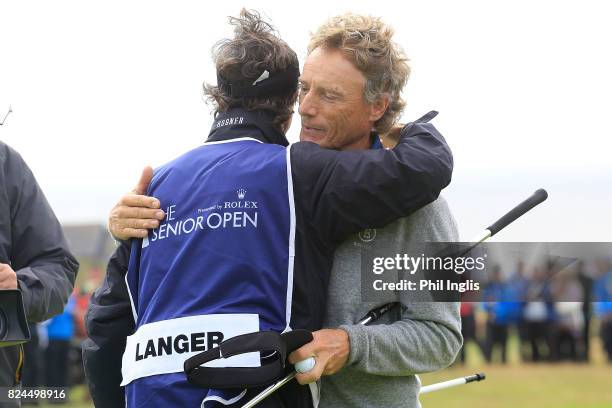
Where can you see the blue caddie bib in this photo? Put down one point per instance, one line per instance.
(219, 265)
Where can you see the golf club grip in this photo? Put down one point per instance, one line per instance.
(535, 199)
(376, 313)
(475, 377)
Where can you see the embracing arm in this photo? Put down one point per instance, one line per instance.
(340, 192)
(343, 192)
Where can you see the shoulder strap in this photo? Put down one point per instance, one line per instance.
(275, 346)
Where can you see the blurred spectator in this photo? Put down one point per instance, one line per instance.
(603, 308)
(59, 333)
(81, 298)
(499, 314)
(538, 315)
(468, 328)
(569, 322)
(586, 283)
(517, 292)
(32, 363)
(468, 318)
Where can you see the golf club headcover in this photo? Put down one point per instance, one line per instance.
(273, 346)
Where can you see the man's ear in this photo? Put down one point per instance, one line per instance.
(379, 107)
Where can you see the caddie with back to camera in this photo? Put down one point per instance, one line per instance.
(250, 230)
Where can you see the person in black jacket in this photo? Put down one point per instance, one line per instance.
(34, 255)
(336, 193)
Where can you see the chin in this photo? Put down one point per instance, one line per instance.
(312, 138)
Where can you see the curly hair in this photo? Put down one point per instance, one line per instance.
(254, 48)
(367, 42)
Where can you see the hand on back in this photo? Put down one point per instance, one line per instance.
(136, 213)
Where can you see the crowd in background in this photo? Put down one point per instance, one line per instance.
(551, 309)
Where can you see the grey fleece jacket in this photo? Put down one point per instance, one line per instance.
(421, 337)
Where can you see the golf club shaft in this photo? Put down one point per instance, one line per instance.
(6, 116)
(482, 237)
(269, 391)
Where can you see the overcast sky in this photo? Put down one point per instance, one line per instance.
(100, 89)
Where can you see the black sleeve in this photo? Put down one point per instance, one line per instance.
(342, 192)
(40, 257)
(109, 321)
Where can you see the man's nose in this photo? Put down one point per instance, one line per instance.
(307, 104)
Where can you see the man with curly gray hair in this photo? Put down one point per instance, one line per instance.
(350, 93)
(367, 43)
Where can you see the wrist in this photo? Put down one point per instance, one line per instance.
(343, 348)
(355, 335)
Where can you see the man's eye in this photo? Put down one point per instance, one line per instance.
(329, 96)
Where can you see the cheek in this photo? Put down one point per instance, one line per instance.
(340, 128)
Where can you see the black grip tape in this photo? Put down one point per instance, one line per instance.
(475, 377)
(535, 199)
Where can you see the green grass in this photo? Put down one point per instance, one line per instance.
(78, 398)
(526, 386)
